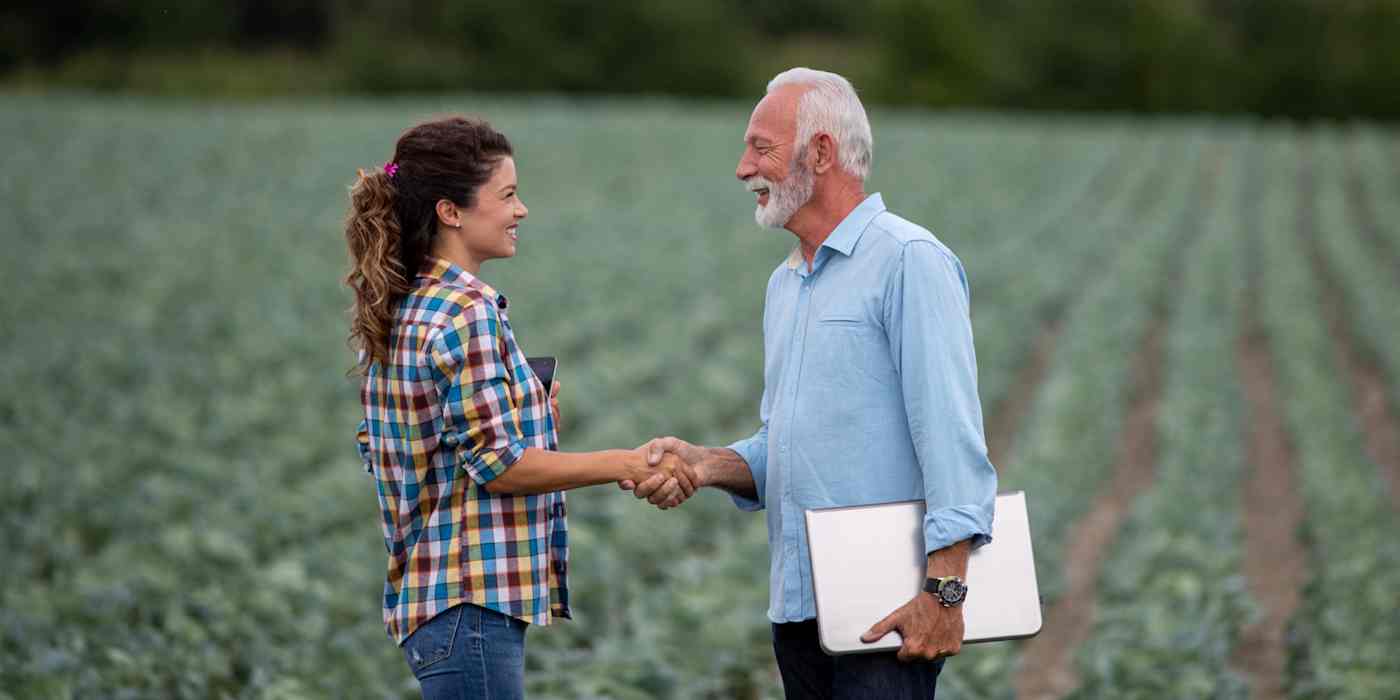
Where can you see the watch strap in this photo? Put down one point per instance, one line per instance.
(934, 587)
(931, 585)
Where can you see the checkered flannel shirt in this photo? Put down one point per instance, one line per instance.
(454, 408)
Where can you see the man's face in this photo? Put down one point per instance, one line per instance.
(771, 166)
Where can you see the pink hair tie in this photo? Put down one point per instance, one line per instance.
(391, 168)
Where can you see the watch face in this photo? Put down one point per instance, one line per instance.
(952, 592)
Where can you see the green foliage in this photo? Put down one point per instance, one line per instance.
(681, 47)
(1344, 634)
(177, 356)
(187, 517)
(1299, 58)
(1369, 279)
(1172, 600)
(1104, 261)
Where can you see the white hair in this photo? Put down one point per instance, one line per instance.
(831, 106)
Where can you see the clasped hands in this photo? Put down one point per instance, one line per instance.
(673, 472)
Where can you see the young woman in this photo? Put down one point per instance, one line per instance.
(458, 431)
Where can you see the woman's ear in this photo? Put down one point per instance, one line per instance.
(449, 214)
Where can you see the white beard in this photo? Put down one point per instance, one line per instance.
(785, 198)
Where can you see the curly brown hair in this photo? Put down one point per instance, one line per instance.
(393, 218)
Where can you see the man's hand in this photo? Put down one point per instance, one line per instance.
(928, 629)
(659, 490)
(669, 480)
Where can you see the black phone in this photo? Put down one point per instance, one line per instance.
(544, 368)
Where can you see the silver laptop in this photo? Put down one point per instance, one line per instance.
(867, 561)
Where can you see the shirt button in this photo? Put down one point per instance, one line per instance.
(450, 439)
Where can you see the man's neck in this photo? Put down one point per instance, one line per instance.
(815, 221)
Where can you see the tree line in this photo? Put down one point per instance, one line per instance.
(1291, 58)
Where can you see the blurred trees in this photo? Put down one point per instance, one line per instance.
(1300, 58)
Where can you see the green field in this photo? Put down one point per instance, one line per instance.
(188, 518)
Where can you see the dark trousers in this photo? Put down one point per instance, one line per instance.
(808, 672)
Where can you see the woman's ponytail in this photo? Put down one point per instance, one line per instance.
(376, 274)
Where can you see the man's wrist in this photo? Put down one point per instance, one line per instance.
(948, 591)
(704, 467)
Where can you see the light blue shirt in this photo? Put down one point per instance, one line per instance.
(869, 394)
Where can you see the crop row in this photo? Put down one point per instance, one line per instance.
(1344, 635)
(1012, 300)
(1369, 280)
(1171, 598)
(1070, 440)
(1373, 159)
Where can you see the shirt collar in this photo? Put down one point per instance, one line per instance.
(441, 270)
(844, 237)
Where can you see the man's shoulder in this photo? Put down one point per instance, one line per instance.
(895, 233)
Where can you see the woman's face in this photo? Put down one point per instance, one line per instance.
(489, 227)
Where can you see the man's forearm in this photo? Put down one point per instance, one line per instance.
(950, 561)
(724, 469)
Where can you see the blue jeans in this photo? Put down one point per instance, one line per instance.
(808, 672)
(468, 653)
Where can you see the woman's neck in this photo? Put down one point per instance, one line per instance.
(456, 254)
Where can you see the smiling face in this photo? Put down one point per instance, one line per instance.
(771, 166)
(490, 228)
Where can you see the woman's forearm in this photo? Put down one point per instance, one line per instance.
(541, 471)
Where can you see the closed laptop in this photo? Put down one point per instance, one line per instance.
(867, 561)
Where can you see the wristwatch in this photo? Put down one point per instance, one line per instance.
(948, 590)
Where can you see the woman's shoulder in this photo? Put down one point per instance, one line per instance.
(444, 305)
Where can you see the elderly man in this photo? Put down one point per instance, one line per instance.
(870, 390)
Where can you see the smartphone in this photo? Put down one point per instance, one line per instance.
(544, 368)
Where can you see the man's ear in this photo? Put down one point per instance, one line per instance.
(449, 214)
(823, 153)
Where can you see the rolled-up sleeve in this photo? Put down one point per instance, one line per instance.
(362, 444)
(930, 333)
(754, 450)
(481, 420)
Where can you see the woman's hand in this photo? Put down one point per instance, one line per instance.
(554, 402)
(678, 479)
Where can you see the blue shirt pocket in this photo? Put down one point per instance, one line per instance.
(851, 352)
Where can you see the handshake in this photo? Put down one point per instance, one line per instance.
(667, 471)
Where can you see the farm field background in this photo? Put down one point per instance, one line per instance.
(1188, 334)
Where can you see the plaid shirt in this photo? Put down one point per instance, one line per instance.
(455, 406)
